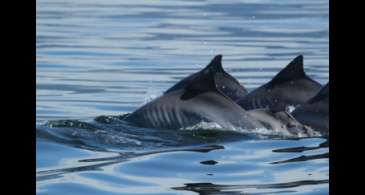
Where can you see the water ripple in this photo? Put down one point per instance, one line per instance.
(107, 57)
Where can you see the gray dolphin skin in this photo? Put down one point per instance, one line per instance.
(200, 100)
(173, 111)
(225, 83)
(291, 86)
(193, 100)
(315, 113)
(282, 121)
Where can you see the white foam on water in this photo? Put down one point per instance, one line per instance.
(204, 126)
(272, 132)
(258, 131)
(290, 108)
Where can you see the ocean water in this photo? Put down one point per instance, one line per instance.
(97, 60)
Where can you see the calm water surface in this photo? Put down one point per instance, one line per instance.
(101, 58)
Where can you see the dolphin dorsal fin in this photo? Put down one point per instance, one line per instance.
(292, 71)
(206, 81)
(322, 94)
(215, 65)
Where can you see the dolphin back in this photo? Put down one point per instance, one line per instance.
(291, 86)
(194, 100)
(315, 112)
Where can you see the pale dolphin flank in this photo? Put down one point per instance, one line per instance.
(282, 121)
(200, 100)
(291, 86)
(315, 113)
(225, 83)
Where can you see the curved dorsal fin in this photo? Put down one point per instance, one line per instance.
(292, 71)
(205, 81)
(214, 65)
(322, 94)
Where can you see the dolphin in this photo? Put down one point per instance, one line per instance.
(314, 113)
(200, 99)
(291, 86)
(225, 83)
(197, 98)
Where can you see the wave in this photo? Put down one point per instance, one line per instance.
(112, 133)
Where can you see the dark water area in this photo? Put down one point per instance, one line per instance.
(98, 60)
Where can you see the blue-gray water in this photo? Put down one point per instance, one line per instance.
(107, 57)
